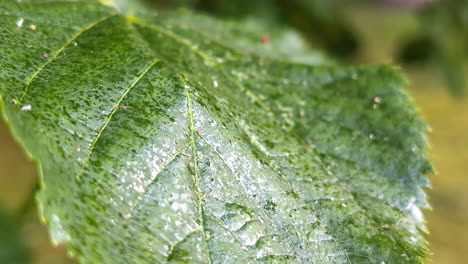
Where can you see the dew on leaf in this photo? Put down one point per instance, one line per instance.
(19, 23)
(250, 233)
(26, 108)
(127, 216)
(215, 83)
(57, 232)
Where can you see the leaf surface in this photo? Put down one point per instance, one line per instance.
(161, 140)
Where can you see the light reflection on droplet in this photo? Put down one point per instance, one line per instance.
(19, 23)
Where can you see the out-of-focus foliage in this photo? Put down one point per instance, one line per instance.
(12, 249)
(321, 22)
(443, 39)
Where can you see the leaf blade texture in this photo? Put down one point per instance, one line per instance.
(160, 141)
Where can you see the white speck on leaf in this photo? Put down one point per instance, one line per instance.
(26, 108)
(19, 23)
(127, 216)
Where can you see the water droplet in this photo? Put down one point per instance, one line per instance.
(75, 44)
(414, 149)
(371, 136)
(57, 231)
(26, 108)
(127, 216)
(19, 23)
(235, 221)
(138, 188)
(215, 83)
(250, 233)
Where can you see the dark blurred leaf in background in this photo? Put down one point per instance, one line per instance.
(321, 22)
(12, 248)
(443, 40)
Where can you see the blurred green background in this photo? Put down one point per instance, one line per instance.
(429, 39)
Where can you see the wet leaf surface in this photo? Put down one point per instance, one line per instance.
(160, 140)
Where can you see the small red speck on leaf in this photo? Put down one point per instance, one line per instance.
(266, 39)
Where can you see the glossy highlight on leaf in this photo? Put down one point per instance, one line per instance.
(161, 141)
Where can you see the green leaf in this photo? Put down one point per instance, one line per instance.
(160, 140)
(253, 36)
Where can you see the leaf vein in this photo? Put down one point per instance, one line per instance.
(109, 118)
(196, 176)
(59, 51)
